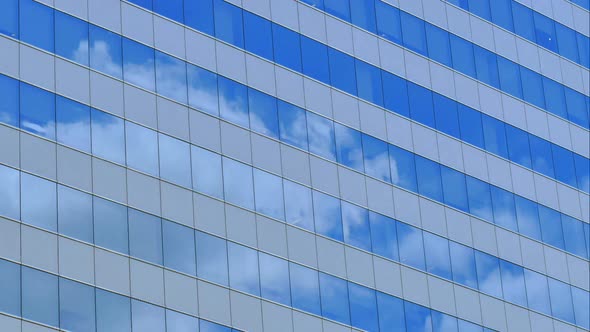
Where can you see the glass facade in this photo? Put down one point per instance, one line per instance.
(168, 175)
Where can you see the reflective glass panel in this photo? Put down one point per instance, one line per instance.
(73, 124)
(463, 264)
(480, 202)
(462, 54)
(363, 307)
(454, 188)
(9, 18)
(145, 236)
(355, 221)
(363, 14)
(349, 149)
(581, 307)
(501, 11)
(268, 191)
(113, 312)
(171, 79)
(75, 214)
(147, 317)
(292, 125)
(554, 97)
(328, 217)
(342, 71)
(471, 126)
(505, 213)
(258, 35)
(376, 158)
(443, 323)
(369, 84)
(395, 90)
(438, 259)
(495, 136)
(108, 136)
(403, 168)
(541, 156)
(564, 164)
(263, 113)
(391, 313)
(439, 48)
(532, 87)
(338, 8)
(383, 236)
(537, 291)
(10, 192)
(110, 225)
(486, 66)
(77, 310)
(513, 283)
(211, 258)
(237, 183)
(411, 247)
(71, 38)
(418, 318)
(243, 268)
(573, 233)
(528, 217)
(488, 274)
(207, 172)
(181, 323)
(298, 205)
(421, 107)
(314, 58)
(305, 288)
(10, 288)
(38, 202)
(334, 295)
(202, 89)
(142, 148)
(287, 47)
(175, 160)
(518, 146)
(9, 94)
(40, 296)
(551, 229)
(321, 136)
(138, 64)
(37, 111)
(171, 9)
(205, 326)
(179, 247)
(429, 178)
(106, 54)
(274, 279)
(561, 300)
(233, 101)
(36, 24)
(198, 14)
(509, 74)
(414, 36)
(446, 116)
(228, 23)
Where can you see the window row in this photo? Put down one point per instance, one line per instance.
(55, 301)
(162, 242)
(90, 45)
(160, 155)
(532, 26)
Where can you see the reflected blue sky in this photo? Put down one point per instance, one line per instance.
(268, 191)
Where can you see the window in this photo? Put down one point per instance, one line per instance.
(106, 54)
(454, 188)
(76, 306)
(243, 269)
(573, 233)
(581, 307)
(211, 258)
(414, 36)
(328, 217)
(439, 48)
(463, 264)
(321, 136)
(138, 64)
(561, 300)
(363, 307)
(205, 326)
(528, 217)
(418, 318)
(110, 225)
(258, 35)
(71, 38)
(108, 136)
(442, 322)
(471, 126)
(175, 160)
(305, 288)
(551, 229)
(274, 279)
(355, 221)
(74, 209)
(403, 168)
(509, 74)
(518, 146)
(287, 47)
(37, 111)
(429, 178)
(383, 236)
(563, 160)
(9, 18)
(147, 4)
(38, 202)
(113, 312)
(349, 150)
(566, 42)
(480, 202)
(233, 101)
(10, 288)
(180, 323)
(554, 97)
(36, 24)
(438, 259)
(315, 60)
(238, 184)
(171, 9)
(395, 92)
(292, 125)
(421, 108)
(541, 156)
(145, 236)
(462, 55)
(268, 190)
(198, 14)
(342, 71)
(505, 213)
(263, 113)
(40, 296)
(577, 107)
(391, 313)
(142, 148)
(537, 291)
(532, 87)
(9, 94)
(523, 21)
(147, 317)
(334, 296)
(202, 89)
(445, 114)
(338, 8)
(207, 172)
(486, 66)
(501, 11)
(363, 14)
(411, 247)
(388, 22)
(179, 247)
(228, 23)
(488, 274)
(369, 82)
(73, 124)
(480, 8)
(545, 31)
(582, 172)
(513, 283)
(171, 77)
(376, 158)
(298, 205)
(10, 192)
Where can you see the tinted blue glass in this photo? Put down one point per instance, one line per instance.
(411, 247)
(465, 326)
(391, 313)
(287, 47)
(524, 25)
(315, 3)
(573, 233)
(38, 202)
(274, 279)
(471, 126)
(37, 111)
(40, 296)
(509, 74)
(76, 306)
(258, 35)
(338, 8)
(138, 64)
(460, 3)
(414, 36)
(202, 89)
(363, 307)
(328, 217)
(181, 323)
(292, 125)
(211, 258)
(566, 42)
(268, 190)
(228, 23)
(395, 92)
(71, 38)
(581, 307)
(463, 264)
(298, 205)
(179, 247)
(171, 9)
(480, 202)
(383, 236)
(554, 97)
(233, 101)
(486, 66)
(243, 268)
(438, 259)
(462, 54)
(505, 213)
(238, 185)
(320, 132)
(421, 107)
(349, 150)
(403, 168)
(501, 11)
(108, 136)
(113, 312)
(9, 18)
(74, 209)
(587, 236)
(145, 236)
(388, 22)
(488, 274)
(369, 82)
(528, 217)
(147, 4)
(551, 229)
(205, 326)
(445, 114)
(110, 225)
(583, 49)
(171, 78)
(147, 317)
(355, 221)
(9, 192)
(513, 283)
(541, 155)
(175, 160)
(561, 300)
(417, 317)
(207, 172)
(563, 160)
(481, 8)
(582, 172)
(442, 322)
(73, 123)
(439, 48)
(363, 14)
(198, 14)
(454, 188)
(305, 288)
(429, 178)
(545, 31)
(36, 24)
(518, 146)
(342, 71)
(263, 113)
(106, 54)
(142, 148)
(334, 297)
(577, 107)
(532, 87)
(315, 60)
(537, 291)
(9, 94)
(376, 155)
(10, 288)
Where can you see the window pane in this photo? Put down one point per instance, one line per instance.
(305, 288)
(488, 274)
(417, 317)
(243, 269)
(537, 291)
(411, 247)
(179, 247)
(462, 54)
(554, 97)
(532, 87)
(563, 160)
(414, 35)
(363, 307)
(523, 21)
(205, 326)
(75, 214)
(480, 202)
(37, 111)
(269, 194)
(577, 107)
(328, 217)
(171, 9)
(147, 4)
(471, 126)
(376, 157)
(211, 258)
(175, 160)
(171, 79)
(228, 23)
(321, 136)
(258, 35)
(76, 306)
(145, 236)
(545, 31)
(181, 323)
(480, 8)
(355, 221)
(561, 300)
(38, 202)
(505, 213)
(36, 24)
(501, 11)
(528, 217)
(108, 137)
(369, 82)
(454, 188)
(429, 178)
(573, 233)
(142, 148)
(110, 225)
(9, 192)
(233, 101)
(287, 47)
(551, 229)
(403, 169)
(40, 297)
(9, 94)
(274, 279)
(486, 66)
(138, 64)
(9, 18)
(581, 307)
(334, 295)
(509, 73)
(113, 312)
(71, 38)
(198, 14)
(298, 205)
(73, 124)
(147, 317)
(391, 313)
(439, 48)
(202, 89)
(315, 60)
(383, 236)
(443, 323)
(438, 259)
(237, 183)
(349, 150)
(342, 71)
(421, 108)
(338, 8)
(513, 283)
(518, 146)
(541, 156)
(566, 42)
(463, 264)
(263, 113)
(10, 288)
(395, 92)
(105, 50)
(363, 14)
(446, 116)
(292, 125)
(207, 172)
(495, 136)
